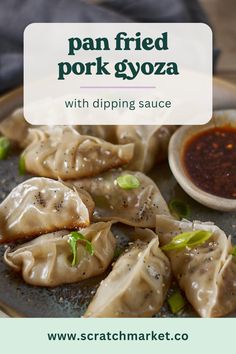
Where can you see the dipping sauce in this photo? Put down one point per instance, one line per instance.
(210, 161)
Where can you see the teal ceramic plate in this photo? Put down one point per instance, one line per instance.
(19, 299)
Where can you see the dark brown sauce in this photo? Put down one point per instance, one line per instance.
(210, 161)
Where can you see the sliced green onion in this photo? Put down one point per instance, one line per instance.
(4, 147)
(234, 251)
(128, 182)
(187, 239)
(176, 302)
(21, 165)
(73, 239)
(179, 209)
(117, 252)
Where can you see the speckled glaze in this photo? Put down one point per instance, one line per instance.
(19, 299)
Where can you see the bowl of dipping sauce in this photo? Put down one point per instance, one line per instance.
(203, 161)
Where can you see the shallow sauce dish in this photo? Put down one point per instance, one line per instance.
(176, 151)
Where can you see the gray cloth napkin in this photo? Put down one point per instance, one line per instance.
(15, 15)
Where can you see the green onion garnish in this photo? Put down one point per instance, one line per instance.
(117, 252)
(176, 302)
(21, 165)
(234, 251)
(187, 239)
(179, 209)
(4, 147)
(128, 182)
(73, 239)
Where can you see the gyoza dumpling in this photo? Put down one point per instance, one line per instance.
(151, 144)
(226, 297)
(15, 128)
(47, 260)
(207, 272)
(63, 152)
(135, 207)
(137, 284)
(105, 132)
(42, 205)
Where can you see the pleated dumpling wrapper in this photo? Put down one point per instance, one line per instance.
(206, 271)
(136, 206)
(48, 259)
(137, 284)
(150, 143)
(105, 132)
(63, 153)
(42, 205)
(15, 128)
